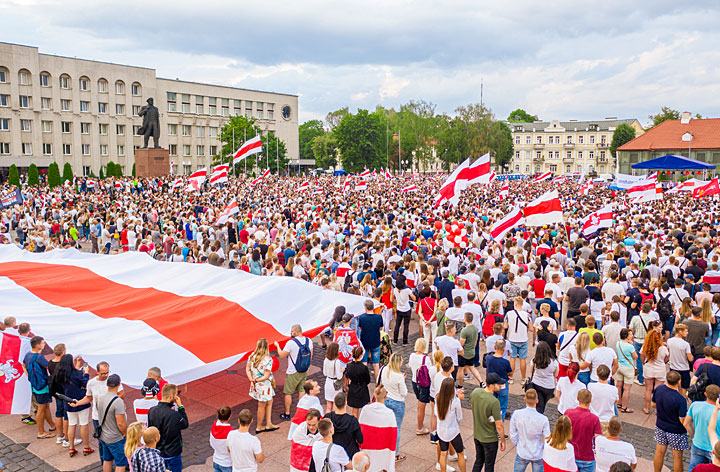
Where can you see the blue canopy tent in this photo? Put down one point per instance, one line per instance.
(670, 162)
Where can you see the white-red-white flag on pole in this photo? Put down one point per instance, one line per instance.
(476, 173)
(544, 210)
(303, 186)
(510, 221)
(504, 191)
(409, 188)
(542, 177)
(177, 183)
(317, 191)
(15, 390)
(346, 185)
(645, 191)
(248, 148)
(219, 174)
(230, 209)
(374, 174)
(257, 180)
(453, 185)
(587, 186)
(597, 220)
(365, 172)
(362, 185)
(387, 174)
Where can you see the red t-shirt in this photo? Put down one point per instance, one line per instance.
(427, 307)
(585, 425)
(707, 468)
(538, 286)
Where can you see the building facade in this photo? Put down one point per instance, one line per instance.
(60, 109)
(565, 147)
(690, 137)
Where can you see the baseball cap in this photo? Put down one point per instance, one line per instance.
(150, 386)
(690, 276)
(493, 378)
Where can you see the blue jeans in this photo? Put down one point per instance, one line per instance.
(698, 456)
(502, 395)
(220, 468)
(521, 465)
(399, 409)
(96, 423)
(173, 464)
(638, 348)
(585, 466)
(584, 377)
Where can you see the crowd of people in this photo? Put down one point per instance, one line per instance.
(635, 306)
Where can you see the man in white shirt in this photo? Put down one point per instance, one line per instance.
(611, 331)
(601, 355)
(554, 285)
(518, 325)
(96, 388)
(528, 430)
(680, 356)
(612, 288)
(461, 291)
(495, 294)
(448, 344)
(456, 313)
(294, 380)
(566, 343)
(245, 450)
(150, 389)
(522, 279)
(476, 310)
(604, 397)
(336, 456)
(609, 449)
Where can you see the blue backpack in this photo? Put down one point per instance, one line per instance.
(302, 363)
(38, 381)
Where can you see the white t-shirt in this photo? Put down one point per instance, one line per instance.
(568, 396)
(294, 350)
(449, 346)
(436, 383)
(566, 343)
(603, 401)
(97, 388)
(455, 314)
(416, 361)
(338, 457)
(556, 291)
(476, 310)
(608, 452)
(243, 447)
(601, 355)
(517, 326)
(553, 323)
(544, 378)
(449, 428)
(610, 289)
(402, 297)
(679, 349)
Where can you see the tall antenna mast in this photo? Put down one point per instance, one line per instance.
(481, 91)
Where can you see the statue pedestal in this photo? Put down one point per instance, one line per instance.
(152, 162)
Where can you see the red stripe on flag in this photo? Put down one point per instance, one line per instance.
(544, 207)
(142, 411)
(173, 316)
(377, 438)
(10, 351)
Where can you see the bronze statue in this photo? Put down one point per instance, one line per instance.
(151, 123)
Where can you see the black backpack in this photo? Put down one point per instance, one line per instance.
(664, 308)
(696, 392)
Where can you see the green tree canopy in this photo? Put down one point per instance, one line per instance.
(501, 143)
(110, 169)
(33, 175)
(360, 140)
(102, 174)
(14, 176)
(521, 116)
(273, 147)
(118, 171)
(308, 131)
(334, 118)
(324, 149)
(53, 175)
(666, 113)
(244, 128)
(67, 173)
(133, 170)
(622, 134)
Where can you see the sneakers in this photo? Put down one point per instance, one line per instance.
(454, 457)
(637, 382)
(448, 468)
(285, 417)
(28, 420)
(59, 439)
(433, 438)
(66, 443)
(468, 376)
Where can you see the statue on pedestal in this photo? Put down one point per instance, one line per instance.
(151, 123)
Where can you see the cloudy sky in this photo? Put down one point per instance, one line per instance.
(559, 60)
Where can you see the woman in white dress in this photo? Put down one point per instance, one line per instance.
(333, 370)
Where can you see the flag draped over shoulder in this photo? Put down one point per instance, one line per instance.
(15, 391)
(379, 428)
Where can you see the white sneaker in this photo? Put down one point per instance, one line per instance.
(78, 441)
(454, 457)
(65, 443)
(448, 467)
(59, 440)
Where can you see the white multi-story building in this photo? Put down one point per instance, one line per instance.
(565, 147)
(61, 109)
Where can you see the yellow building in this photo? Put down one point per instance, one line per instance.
(565, 147)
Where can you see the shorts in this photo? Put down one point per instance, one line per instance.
(456, 443)
(60, 409)
(668, 325)
(519, 349)
(684, 378)
(42, 398)
(421, 393)
(294, 383)
(114, 452)
(677, 442)
(625, 374)
(374, 356)
(462, 362)
(81, 417)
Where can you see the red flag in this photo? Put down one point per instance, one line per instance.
(712, 188)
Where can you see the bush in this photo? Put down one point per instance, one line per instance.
(67, 173)
(53, 175)
(14, 176)
(110, 169)
(102, 175)
(33, 177)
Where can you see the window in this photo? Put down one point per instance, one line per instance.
(286, 112)
(172, 130)
(538, 155)
(539, 140)
(102, 86)
(66, 127)
(84, 128)
(213, 150)
(580, 155)
(237, 108)
(65, 82)
(4, 100)
(4, 124)
(102, 108)
(46, 103)
(212, 131)
(578, 168)
(86, 149)
(136, 130)
(121, 150)
(248, 108)
(67, 149)
(136, 110)
(186, 129)
(65, 105)
(568, 169)
(528, 139)
(581, 139)
(527, 169)
(4, 148)
(199, 131)
(44, 80)
(553, 168)
(47, 149)
(591, 154)
(136, 89)
(591, 139)
(551, 139)
(187, 169)
(27, 149)
(700, 156)
(213, 105)
(603, 139)
(103, 150)
(47, 126)
(186, 150)
(173, 149)
(270, 111)
(517, 139)
(84, 84)
(602, 155)
(3, 79)
(26, 125)
(24, 101)
(120, 130)
(119, 87)
(119, 109)
(24, 77)
(200, 150)
(225, 107)
(86, 171)
(568, 155)
(569, 139)
(103, 129)
(259, 110)
(517, 154)
(186, 103)
(172, 104)
(199, 108)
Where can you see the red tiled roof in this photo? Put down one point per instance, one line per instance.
(668, 135)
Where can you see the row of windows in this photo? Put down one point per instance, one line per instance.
(187, 130)
(66, 127)
(65, 82)
(187, 150)
(47, 149)
(25, 101)
(568, 155)
(554, 168)
(261, 109)
(568, 139)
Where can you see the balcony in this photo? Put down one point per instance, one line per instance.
(602, 159)
(539, 146)
(569, 145)
(538, 159)
(568, 159)
(602, 145)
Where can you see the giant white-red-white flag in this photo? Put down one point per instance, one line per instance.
(15, 393)
(379, 428)
(219, 174)
(645, 191)
(153, 309)
(248, 148)
(597, 220)
(453, 185)
(544, 210)
(477, 173)
(510, 221)
(229, 210)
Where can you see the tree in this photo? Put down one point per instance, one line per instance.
(521, 116)
(110, 169)
(102, 175)
(308, 131)
(360, 140)
(324, 149)
(273, 148)
(244, 128)
(118, 171)
(133, 171)
(53, 175)
(501, 143)
(334, 118)
(416, 131)
(67, 173)
(622, 134)
(14, 176)
(666, 113)
(33, 177)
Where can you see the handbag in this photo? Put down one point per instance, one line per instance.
(339, 382)
(528, 384)
(98, 430)
(623, 354)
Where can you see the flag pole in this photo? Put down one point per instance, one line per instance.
(245, 172)
(277, 155)
(233, 151)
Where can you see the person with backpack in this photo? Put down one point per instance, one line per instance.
(666, 310)
(299, 351)
(35, 366)
(420, 366)
(328, 457)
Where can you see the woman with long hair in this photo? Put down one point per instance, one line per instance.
(367, 286)
(335, 321)
(437, 358)
(255, 262)
(559, 454)
(707, 317)
(259, 371)
(654, 356)
(568, 388)
(333, 370)
(685, 311)
(449, 415)
(358, 376)
(133, 440)
(582, 348)
(403, 297)
(388, 301)
(393, 378)
(625, 374)
(73, 378)
(544, 373)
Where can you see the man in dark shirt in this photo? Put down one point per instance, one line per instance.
(370, 325)
(445, 287)
(170, 423)
(576, 296)
(629, 299)
(671, 408)
(548, 299)
(694, 269)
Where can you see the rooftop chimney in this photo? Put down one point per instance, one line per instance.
(685, 117)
